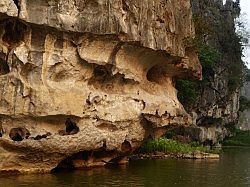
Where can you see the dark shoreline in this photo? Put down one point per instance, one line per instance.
(134, 157)
(161, 155)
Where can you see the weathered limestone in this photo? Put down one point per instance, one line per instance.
(8, 7)
(217, 103)
(155, 24)
(244, 119)
(105, 67)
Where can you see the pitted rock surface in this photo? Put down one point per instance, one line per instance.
(89, 80)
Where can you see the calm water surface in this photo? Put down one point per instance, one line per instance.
(233, 169)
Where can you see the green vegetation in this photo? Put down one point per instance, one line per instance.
(234, 82)
(187, 91)
(219, 49)
(244, 104)
(171, 146)
(207, 54)
(202, 26)
(240, 138)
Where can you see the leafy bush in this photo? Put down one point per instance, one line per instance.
(171, 146)
(170, 134)
(230, 47)
(207, 54)
(233, 143)
(240, 138)
(202, 26)
(187, 91)
(231, 127)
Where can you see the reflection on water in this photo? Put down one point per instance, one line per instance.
(233, 169)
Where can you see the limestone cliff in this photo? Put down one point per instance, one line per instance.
(85, 82)
(244, 113)
(217, 101)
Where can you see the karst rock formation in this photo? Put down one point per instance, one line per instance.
(84, 82)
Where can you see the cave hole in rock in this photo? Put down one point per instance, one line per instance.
(209, 121)
(156, 73)
(104, 78)
(44, 136)
(70, 162)
(160, 20)
(1, 131)
(14, 32)
(114, 161)
(104, 145)
(102, 73)
(209, 143)
(4, 67)
(107, 126)
(125, 6)
(64, 164)
(86, 159)
(71, 128)
(17, 3)
(19, 134)
(126, 147)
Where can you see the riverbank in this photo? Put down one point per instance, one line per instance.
(165, 148)
(239, 138)
(161, 148)
(161, 155)
(231, 170)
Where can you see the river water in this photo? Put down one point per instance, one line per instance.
(231, 170)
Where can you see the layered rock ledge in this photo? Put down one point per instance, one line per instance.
(83, 83)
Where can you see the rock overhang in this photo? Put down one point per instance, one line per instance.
(117, 88)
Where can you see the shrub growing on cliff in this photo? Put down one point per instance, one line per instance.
(240, 138)
(207, 54)
(244, 104)
(187, 91)
(202, 26)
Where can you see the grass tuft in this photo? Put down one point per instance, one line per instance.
(171, 146)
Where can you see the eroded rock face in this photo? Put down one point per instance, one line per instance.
(244, 114)
(88, 81)
(217, 104)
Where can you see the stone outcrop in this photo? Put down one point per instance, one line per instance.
(83, 83)
(217, 104)
(244, 114)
